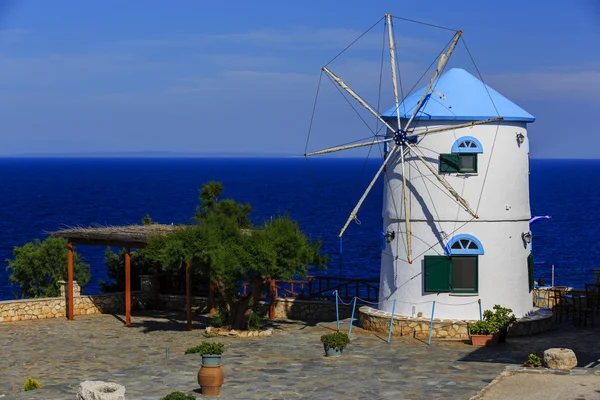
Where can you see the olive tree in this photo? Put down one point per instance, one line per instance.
(226, 249)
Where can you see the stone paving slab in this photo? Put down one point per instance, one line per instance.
(543, 387)
(287, 365)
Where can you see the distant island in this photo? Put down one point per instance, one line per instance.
(150, 154)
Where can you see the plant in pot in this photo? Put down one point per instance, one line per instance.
(502, 317)
(483, 333)
(334, 343)
(210, 375)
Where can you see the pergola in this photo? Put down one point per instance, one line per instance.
(128, 237)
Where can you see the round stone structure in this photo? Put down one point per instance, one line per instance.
(457, 260)
(538, 321)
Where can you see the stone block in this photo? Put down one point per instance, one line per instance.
(558, 358)
(99, 390)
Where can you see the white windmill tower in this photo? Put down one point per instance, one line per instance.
(456, 204)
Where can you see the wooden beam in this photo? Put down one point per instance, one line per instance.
(108, 242)
(272, 295)
(127, 287)
(211, 298)
(70, 302)
(188, 295)
(156, 288)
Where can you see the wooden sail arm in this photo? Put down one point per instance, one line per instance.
(364, 196)
(392, 44)
(347, 147)
(441, 64)
(453, 127)
(360, 100)
(445, 184)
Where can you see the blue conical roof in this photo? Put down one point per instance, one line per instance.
(458, 95)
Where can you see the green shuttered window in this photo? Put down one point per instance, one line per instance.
(451, 274)
(458, 163)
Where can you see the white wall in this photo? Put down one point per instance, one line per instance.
(499, 193)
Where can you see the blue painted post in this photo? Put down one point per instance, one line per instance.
(337, 311)
(480, 312)
(392, 321)
(431, 322)
(352, 319)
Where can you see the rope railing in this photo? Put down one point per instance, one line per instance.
(356, 299)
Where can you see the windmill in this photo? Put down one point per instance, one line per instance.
(402, 136)
(445, 144)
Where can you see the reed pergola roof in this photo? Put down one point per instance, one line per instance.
(130, 236)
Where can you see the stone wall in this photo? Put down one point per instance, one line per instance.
(24, 310)
(177, 303)
(56, 307)
(379, 321)
(284, 308)
(310, 310)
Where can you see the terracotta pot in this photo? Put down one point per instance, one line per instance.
(484, 340)
(210, 379)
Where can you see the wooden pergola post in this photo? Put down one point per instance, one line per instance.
(127, 287)
(188, 295)
(155, 287)
(70, 302)
(273, 294)
(211, 298)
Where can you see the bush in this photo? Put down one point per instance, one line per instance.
(533, 360)
(502, 317)
(256, 321)
(31, 384)
(483, 328)
(335, 340)
(207, 348)
(178, 396)
(38, 266)
(219, 318)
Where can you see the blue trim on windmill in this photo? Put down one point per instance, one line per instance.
(467, 144)
(464, 244)
(459, 96)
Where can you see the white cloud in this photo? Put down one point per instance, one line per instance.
(309, 38)
(553, 83)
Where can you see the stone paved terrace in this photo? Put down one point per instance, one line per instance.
(287, 365)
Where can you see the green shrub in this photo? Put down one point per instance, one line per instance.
(534, 360)
(178, 396)
(483, 327)
(219, 318)
(207, 348)
(38, 266)
(256, 321)
(31, 384)
(335, 340)
(502, 317)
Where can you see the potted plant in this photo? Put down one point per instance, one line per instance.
(502, 317)
(483, 333)
(210, 375)
(334, 343)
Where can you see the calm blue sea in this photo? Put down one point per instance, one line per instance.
(43, 195)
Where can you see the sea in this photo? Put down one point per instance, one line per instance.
(42, 195)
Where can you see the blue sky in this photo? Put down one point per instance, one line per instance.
(240, 76)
